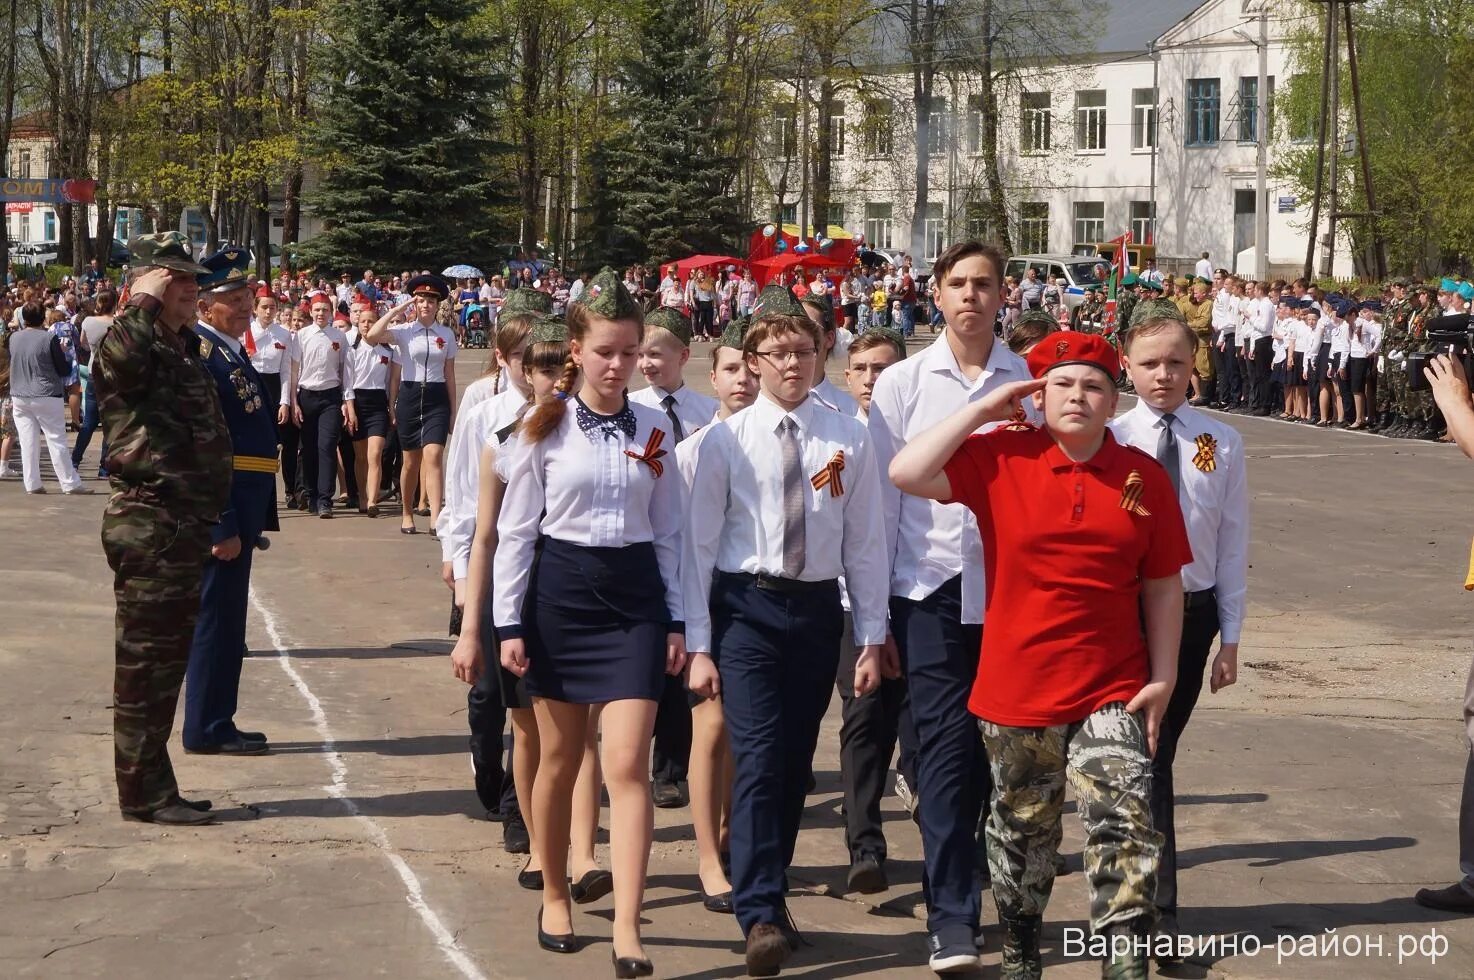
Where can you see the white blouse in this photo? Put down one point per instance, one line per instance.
(475, 429)
(276, 349)
(423, 351)
(587, 488)
(370, 363)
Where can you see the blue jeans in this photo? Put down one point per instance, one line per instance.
(90, 420)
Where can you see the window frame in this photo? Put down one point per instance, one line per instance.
(1201, 108)
(1144, 120)
(1090, 121)
(1090, 224)
(876, 222)
(1036, 121)
(1032, 225)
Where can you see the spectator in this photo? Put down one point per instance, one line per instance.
(1204, 267)
(1031, 290)
(39, 369)
(93, 329)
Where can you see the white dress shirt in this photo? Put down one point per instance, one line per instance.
(1204, 268)
(1366, 341)
(830, 394)
(1340, 334)
(1215, 505)
(480, 390)
(370, 363)
(325, 362)
(276, 349)
(932, 542)
(583, 489)
(735, 519)
(1260, 320)
(692, 408)
(686, 454)
(423, 351)
(476, 428)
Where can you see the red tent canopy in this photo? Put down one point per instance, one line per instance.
(766, 270)
(684, 267)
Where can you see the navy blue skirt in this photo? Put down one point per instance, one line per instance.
(422, 412)
(371, 406)
(598, 624)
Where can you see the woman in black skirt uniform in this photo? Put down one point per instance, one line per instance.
(425, 408)
(593, 493)
(371, 366)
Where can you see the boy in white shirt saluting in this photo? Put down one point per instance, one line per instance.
(785, 500)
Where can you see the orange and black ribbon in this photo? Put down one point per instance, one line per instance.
(1131, 495)
(829, 476)
(1206, 459)
(652, 454)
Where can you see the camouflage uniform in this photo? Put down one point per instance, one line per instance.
(1200, 318)
(170, 467)
(1393, 391)
(1106, 761)
(1419, 406)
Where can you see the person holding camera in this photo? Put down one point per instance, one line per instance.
(1450, 388)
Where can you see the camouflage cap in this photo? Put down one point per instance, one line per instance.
(227, 271)
(524, 300)
(1036, 315)
(548, 329)
(775, 299)
(1130, 279)
(895, 336)
(166, 250)
(672, 320)
(1155, 309)
(735, 333)
(1184, 280)
(605, 296)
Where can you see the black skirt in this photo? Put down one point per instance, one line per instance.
(596, 624)
(1356, 373)
(1297, 372)
(1322, 371)
(372, 408)
(422, 412)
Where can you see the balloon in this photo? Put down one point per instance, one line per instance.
(781, 247)
(860, 238)
(801, 247)
(769, 231)
(825, 244)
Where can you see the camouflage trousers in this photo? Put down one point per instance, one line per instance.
(1105, 760)
(157, 563)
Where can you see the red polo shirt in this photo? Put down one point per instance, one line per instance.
(1066, 547)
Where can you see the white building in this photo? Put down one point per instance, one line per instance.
(1164, 108)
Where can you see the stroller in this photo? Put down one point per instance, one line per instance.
(473, 320)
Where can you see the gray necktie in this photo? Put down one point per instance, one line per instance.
(1167, 452)
(793, 501)
(669, 404)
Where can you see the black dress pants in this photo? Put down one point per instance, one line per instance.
(322, 426)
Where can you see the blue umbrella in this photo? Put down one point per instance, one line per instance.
(463, 272)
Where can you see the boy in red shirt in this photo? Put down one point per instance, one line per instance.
(1083, 541)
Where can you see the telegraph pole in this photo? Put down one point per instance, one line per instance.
(1327, 80)
(1261, 128)
(1333, 114)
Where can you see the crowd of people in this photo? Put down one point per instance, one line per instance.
(631, 567)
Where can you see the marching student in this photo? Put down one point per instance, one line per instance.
(1364, 342)
(372, 364)
(1084, 544)
(711, 767)
(425, 408)
(502, 372)
(785, 500)
(278, 359)
(322, 403)
(663, 353)
(869, 355)
(938, 588)
(821, 312)
(591, 490)
(1204, 461)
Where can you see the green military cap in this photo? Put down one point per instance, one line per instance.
(547, 329)
(524, 300)
(673, 320)
(895, 337)
(777, 300)
(1203, 279)
(1155, 309)
(1130, 279)
(227, 271)
(1184, 280)
(1151, 285)
(166, 250)
(735, 333)
(1036, 315)
(606, 296)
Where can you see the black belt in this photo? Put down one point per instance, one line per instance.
(1196, 600)
(774, 583)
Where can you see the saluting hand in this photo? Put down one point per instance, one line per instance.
(514, 656)
(153, 282)
(466, 658)
(702, 677)
(1006, 401)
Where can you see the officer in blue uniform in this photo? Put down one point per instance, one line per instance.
(213, 679)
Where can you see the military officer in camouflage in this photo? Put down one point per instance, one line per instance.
(169, 462)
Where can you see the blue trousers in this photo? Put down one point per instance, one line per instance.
(213, 680)
(777, 654)
(939, 654)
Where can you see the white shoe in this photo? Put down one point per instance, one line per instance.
(75, 491)
(6, 473)
(905, 794)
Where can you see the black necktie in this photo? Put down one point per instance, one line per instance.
(1167, 452)
(669, 404)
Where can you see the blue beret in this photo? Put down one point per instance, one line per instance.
(1467, 291)
(1447, 285)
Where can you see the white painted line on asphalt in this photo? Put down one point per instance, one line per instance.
(414, 892)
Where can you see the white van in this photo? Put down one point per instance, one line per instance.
(1075, 273)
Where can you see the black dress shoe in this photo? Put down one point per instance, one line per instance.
(250, 736)
(867, 875)
(408, 530)
(422, 511)
(200, 806)
(564, 943)
(630, 967)
(531, 880)
(326, 513)
(667, 795)
(172, 814)
(239, 746)
(717, 903)
(515, 839)
(591, 887)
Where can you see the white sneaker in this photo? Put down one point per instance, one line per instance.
(904, 793)
(6, 473)
(78, 490)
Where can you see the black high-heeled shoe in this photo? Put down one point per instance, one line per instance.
(591, 887)
(565, 943)
(531, 880)
(630, 967)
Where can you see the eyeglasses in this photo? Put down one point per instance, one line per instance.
(781, 357)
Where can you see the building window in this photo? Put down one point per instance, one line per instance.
(836, 214)
(878, 225)
(1035, 135)
(935, 231)
(1089, 222)
(785, 130)
(836, 135)
(1249, 108)
(1090, 120)
(120, 226)
(979, 227)
(788, 214)
(877, 125)
(1143, 119)
(23, 163)
(936, 128)
(1203, 98)
(1033, 227)
(48, 224)
(1142, 231)
(974, 124)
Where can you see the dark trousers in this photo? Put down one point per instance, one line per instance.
(213, 680)
(868, 733)
(777, 654)
(672, 753)
(1199, 627)
(322, 424)
(1226, 364)
(345, 456)
(289, 435)
(486, 715)
(1261, 375)
(939, 657)
(90, 420)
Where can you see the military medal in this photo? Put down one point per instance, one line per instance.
(1206, 459)
(829, 476)
(1131, 495)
